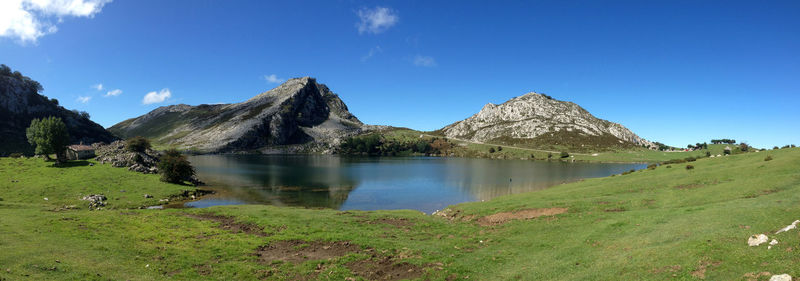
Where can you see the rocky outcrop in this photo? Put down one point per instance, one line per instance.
(20, 102)
(116, 155)
(533, 116)
(300, 112)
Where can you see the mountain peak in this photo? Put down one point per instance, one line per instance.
(533, 116)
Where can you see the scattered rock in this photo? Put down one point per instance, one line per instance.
(756, 240)
(148, 196)
(788, 227)
(96, 201)
(781, 277)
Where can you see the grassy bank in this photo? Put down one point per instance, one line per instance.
(665, 223)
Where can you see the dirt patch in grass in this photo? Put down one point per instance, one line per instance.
(689, 186)
(297, 251)
(755, 276)
(669, 268)
(763, 192)
(384, 268)
(500, 218)
(702, 266)
(614, 210)
(230, 224)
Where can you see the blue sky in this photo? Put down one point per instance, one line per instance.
(678, 72)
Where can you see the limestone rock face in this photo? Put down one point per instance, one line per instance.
(20, 102)
(298, 112)
(533, 115)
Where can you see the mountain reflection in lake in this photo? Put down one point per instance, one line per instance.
(369, 183)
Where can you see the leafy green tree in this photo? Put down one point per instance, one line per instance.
(137, 144)
(49, 135)
(174, 167)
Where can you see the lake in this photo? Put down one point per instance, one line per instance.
(426, 184)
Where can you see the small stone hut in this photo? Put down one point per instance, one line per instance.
(79, 151)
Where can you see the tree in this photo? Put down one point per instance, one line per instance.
(49, 135)
(499, 148)
(491, 150)
(174, 167)
(137, 144)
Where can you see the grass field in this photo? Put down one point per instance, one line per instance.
(661, 224)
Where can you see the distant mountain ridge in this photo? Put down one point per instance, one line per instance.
(294, 115)
(20, 102)
(539, 120)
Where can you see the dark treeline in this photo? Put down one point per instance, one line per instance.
(376, 145)
(30, 83)
(719, 141)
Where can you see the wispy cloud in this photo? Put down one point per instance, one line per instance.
(27, 20)
(113, 93)
(376, 20)
(425, 61)
(272, 78)
(372, 52)
(98, 86)
(157, 97)
(84, 100)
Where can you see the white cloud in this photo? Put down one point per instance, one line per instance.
(272, 78)
(157, 97)
(98, 87)
(425, 61)
(376, 20)
(27, 20)
(371, 53)
(113, 93)
(82, 99)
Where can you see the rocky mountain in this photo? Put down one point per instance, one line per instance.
(300, 114)
(20, 102)
(538, 120)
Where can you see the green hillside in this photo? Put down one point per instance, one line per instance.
(666, 223)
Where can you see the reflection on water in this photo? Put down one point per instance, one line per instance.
(362, 183)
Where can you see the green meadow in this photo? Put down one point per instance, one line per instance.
(665, 223)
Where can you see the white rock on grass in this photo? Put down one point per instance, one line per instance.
(756, 240)
(788, 227)
(781, 277)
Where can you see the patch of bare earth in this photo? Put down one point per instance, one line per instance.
(375, 268)
(297, 251)
(500, 218)
(702, 266)
(384, 268)
(755, 276)
(230, 224)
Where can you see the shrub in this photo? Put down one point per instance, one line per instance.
(174, 167)
(689, 167)
(768, 158)
(793, 146)
(708, 154)
(491, 150)
(564, 154)
(669, 166)
(499, 148)
(652, 166)
(690, 159)
(549, 155)
(137, 144)
(775, 147)
(15, 155)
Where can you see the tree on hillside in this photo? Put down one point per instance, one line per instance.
(49, 135)
(174, 167)
(137, 144)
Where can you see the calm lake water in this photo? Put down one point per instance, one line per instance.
(368, 183)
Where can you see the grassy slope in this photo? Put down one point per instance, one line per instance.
(668, 223)
(469, 149)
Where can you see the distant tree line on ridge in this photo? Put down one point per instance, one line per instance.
(377, 145)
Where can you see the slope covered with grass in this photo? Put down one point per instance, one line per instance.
(665, 223)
